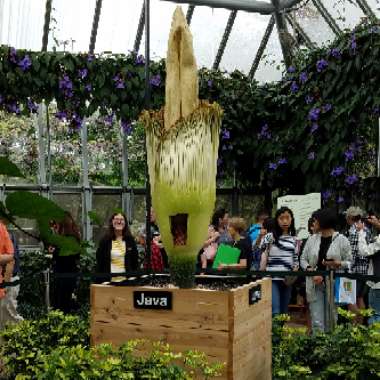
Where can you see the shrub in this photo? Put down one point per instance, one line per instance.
(25, 343)
(31, 299)
(126, 362)
(349, 352)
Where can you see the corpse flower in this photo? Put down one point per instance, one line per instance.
(182, 141)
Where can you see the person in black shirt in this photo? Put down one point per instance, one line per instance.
(236, 228)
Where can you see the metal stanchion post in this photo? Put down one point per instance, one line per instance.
(330, 301)
(46, 274)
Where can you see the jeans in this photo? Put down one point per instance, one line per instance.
(280, 297)
(374, 303)
(318, 309)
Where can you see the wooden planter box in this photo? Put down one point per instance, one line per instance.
(231, 326)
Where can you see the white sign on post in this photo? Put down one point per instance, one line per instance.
(302, 206)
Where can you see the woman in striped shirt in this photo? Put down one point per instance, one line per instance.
(281, 255)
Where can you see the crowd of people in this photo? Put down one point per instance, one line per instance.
(269, 245)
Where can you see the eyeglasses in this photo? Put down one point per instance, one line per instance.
(119, 220)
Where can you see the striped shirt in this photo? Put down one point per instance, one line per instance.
(283, 255)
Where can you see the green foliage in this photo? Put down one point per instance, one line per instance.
(182, 270)
(105, 362)
(31, 299)
(350, 352)
(25, 343)
(8, 168)
(57, 346)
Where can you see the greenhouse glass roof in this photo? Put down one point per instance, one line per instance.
(309, 23)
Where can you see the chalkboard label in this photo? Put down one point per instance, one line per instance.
(152, 300)
(254, 294)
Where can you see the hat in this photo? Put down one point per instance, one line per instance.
(354, 211)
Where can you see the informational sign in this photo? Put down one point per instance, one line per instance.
(152, 300)
(302, 206)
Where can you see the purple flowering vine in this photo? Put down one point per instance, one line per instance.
(282, 161)
(82, 73)
(140, 60)
(309, 99)
(66, 85)
(33, 107)
(349, 155)
(337, 171)
(340, 199)
(265, 133)
(25, 63)
(119, 81)
(291, 69)
(209, 83)
(14, 107)
(314, 127)
(155, 80)
(126, 127)
(304, 77)
(88, 87)
(351, 179)
(108, 120)
(311, 156)
(353, 44)
(326, 108)
(336, 53)
(326, 195)
(226, 134)
(272, 166)
(314, 114)
(76, 121)
(13, 55)
(322, 64)
(294, 87)
(61, 115)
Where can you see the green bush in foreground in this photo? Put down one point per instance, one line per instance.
(28, 341)
(350, 352)
(57, 347)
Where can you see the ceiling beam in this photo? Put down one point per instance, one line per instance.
(223, 42)
(255, 6)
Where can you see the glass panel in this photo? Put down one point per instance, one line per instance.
(71, 203)
(313, 24)
(161, 13)
(22, 23)
(206, 48)
(65, 154)
(138, 216)
(347, 14)
(244, 41)
(224, 201)
(18, 141)
(70, 25)
(105, 153)
(271, 65)
(375, 6)
(118, 25)
(249, 205)
(104, 205)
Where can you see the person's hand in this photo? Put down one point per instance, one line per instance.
(374, 221)
(317, 280)
(5, 259)
(222, 266)
(332, 264)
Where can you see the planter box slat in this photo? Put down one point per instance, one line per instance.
(220, 323)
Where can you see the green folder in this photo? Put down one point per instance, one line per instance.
(226, 255)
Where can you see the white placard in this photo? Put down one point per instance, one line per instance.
(302, 206)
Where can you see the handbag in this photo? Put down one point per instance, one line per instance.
(345, 290)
